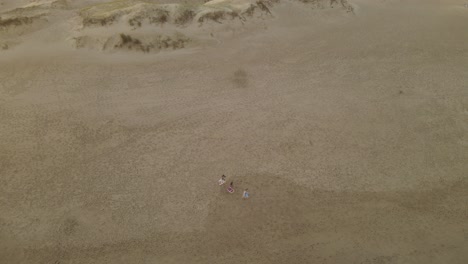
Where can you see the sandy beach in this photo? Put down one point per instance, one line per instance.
(346, 120)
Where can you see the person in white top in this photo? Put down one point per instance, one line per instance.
(222, 180)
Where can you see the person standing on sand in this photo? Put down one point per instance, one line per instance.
(222, 180)
(230, 189)
(245, 195)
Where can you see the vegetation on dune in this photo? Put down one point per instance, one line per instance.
(17, 21)
(138, 12)
(264, 6)
(184, 15)
(218, 15)
(106, 13)
(178, 14)
(160, 42)
(322, 3)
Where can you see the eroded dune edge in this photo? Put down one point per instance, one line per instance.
(137, 25)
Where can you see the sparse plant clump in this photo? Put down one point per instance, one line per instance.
(217, 15)
(264, 6)
(249, 11)
(159, 20)
(157, 16)
(177, 41)
(100, 21)
(343, 3)
(127, 41)
(125, 38)
(314, 3)
(134, 22)
(184, 15)
(161, 17)
(331, 3)
(17, 21)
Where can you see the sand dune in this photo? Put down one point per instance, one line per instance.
(151, 26)
(347, 121)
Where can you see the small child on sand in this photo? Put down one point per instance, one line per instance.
(245, 195)
(230, 189)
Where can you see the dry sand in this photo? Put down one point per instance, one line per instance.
(350, 130)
